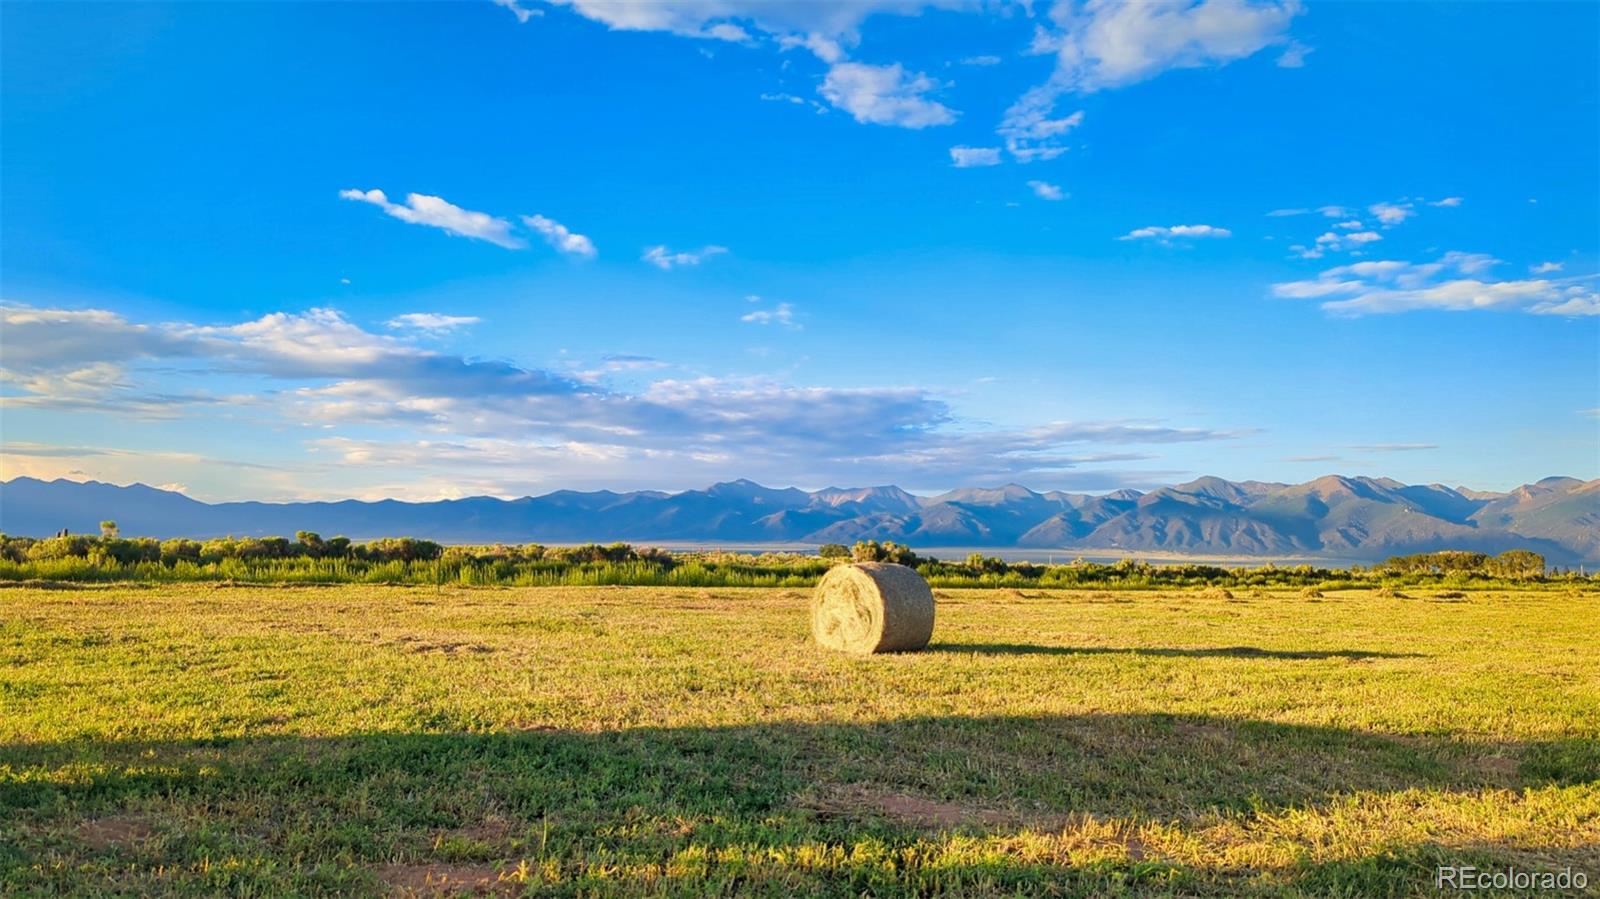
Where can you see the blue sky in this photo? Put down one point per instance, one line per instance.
(1076, 246)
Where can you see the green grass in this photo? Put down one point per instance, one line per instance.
(195, 740)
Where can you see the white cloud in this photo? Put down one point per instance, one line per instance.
(796, 20)
(829, 49)
(1044, 190)
(560, 236)
(984, 60)
(1387, 215)
(666, 260)
(522, 13)
(1576, 301)
(388, 417)
(872, 94)
(626, 362)
(1330, 241)
(1031, 129)
(432, 322)
(724, 31)
(1545, 268)
(885, 95)
(1166, 234)
(1452, 284)
(813, 105)
(1294, 55)
(1391, 214)
(972, 157)
(1103, 44)
(1108, 43)
(781, 315)
(435, 212)
(1393, 447)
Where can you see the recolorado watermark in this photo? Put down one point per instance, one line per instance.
(1467, 877)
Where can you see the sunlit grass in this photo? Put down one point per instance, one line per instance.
(200, 740)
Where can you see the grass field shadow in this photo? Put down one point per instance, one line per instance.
(1202, 652)
(895, 807)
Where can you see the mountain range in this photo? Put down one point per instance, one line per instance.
(1337, 517)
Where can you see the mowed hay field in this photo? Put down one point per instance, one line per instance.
(629, 741)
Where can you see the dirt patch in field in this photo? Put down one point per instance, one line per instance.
(115, 830)
(416, 644)
(1191, 731)
(1073, 829)
(488, 831)
(448, 648)
(859, 801)
(68, 585)
(1501, 769)
(446, 880)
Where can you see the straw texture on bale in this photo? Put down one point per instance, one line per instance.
(872, 607)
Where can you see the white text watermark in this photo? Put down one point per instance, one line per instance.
(1467, 877)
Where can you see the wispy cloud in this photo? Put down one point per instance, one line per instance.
(436, 212)
(560, 236)
(1332, 240)
(666, 260)
(432, 322)
(1031, 129)
(885, 95)
(1545, 268)
(780, 97)
(631, 362)
(522, 13)
(1105, 44)
(1044, 190)
(1391, 214)
(1294, 55)
(1458, 282)
(781, 315)
(1393, 447)
(1386, 215)
(973, 157)
(1168, 233)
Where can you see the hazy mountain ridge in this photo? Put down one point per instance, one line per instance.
(1345, 517)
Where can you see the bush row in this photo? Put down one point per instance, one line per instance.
(310, 559)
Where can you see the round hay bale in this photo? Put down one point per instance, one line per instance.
(871, 607)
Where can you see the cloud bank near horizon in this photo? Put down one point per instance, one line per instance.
(427, 423)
